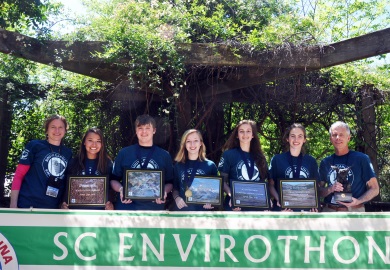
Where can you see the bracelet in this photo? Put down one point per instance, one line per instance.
(120, 190)
(176, 197)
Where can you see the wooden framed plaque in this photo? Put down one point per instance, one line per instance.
(298, 193)
(250, 194)
(205, 189)
(143, 184)
(88, 190)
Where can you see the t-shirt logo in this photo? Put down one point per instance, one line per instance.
(220, 164)
(332, 174)
(151, 165)
(242, 171)
(24, 156)
(303, 173)
(189, 171)
(54, 165)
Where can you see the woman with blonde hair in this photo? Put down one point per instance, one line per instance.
(190, 161)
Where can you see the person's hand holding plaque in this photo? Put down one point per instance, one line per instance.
(342, 177)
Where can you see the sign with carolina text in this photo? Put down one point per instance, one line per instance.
(84, 239)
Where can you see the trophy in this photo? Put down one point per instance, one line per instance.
(342, 178)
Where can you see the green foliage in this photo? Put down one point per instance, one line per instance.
(147, 33)
(29, 114)
(338, 20)
(25, 13)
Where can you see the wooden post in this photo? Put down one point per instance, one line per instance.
(366, 124)
(184, 113)
(367, 99)
(5, 128)
(214, 137)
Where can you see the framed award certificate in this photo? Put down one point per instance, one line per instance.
(250, 194)
(298, 193)
(205, 189)
(87, 190)
(143, 184)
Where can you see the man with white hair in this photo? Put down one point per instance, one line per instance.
(361, 174)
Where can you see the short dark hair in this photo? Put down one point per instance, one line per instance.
(145, 119)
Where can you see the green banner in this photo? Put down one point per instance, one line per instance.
(143, 240)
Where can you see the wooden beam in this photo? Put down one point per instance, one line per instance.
(263, 94)
(357, 48)
(217, 55)
(62, 53)
(81, 57)
(245, 79)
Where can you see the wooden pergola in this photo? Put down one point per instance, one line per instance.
(257, 68)
(249, 70)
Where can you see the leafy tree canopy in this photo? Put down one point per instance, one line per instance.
(147, 32)
(30, 13)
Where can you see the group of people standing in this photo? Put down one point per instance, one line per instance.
(40, 177)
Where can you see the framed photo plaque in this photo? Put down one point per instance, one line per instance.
(205, 189)
(88, 190)
(298, 193)
(250, 194)
(143, 184)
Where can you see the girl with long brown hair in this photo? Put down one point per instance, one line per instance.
(92, 159)
(242, 159)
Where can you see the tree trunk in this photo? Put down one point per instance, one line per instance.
(5, 128)
(366, 126)
(366, 122)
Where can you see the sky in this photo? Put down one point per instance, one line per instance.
(73, 5)
(63, 23)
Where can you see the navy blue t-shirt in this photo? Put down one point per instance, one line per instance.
(46, 161)
(206, 167)
(127, 159)
(360, 173)
(280, 168)
(284, 165)
(234, 166)
(91, 169)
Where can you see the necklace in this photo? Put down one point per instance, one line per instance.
(144, 164)
(296, 169)
(55, 165)
(51, 149)
(250, 166)
(190, 177)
